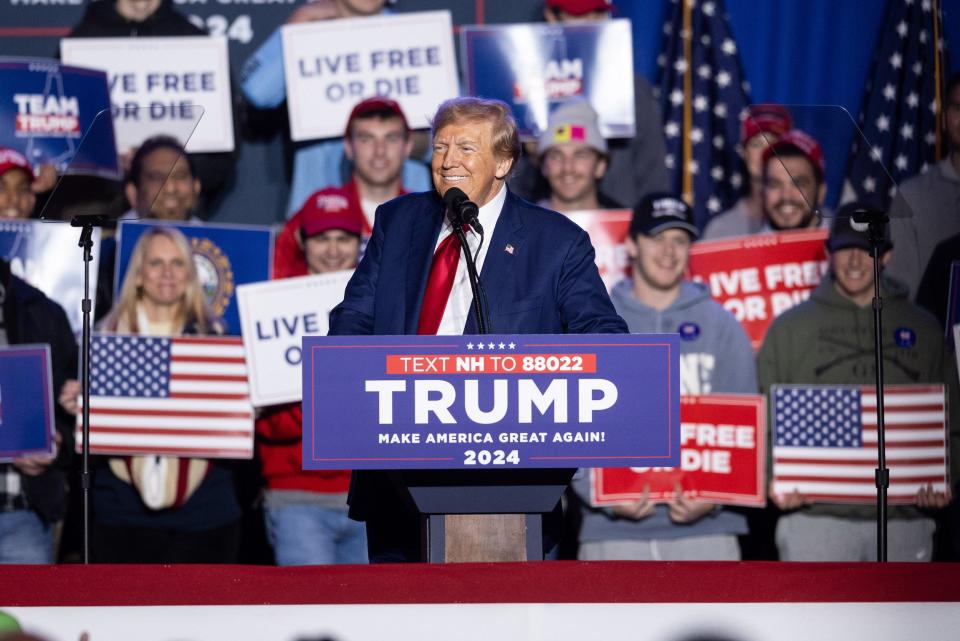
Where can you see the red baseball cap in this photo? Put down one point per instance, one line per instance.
(324, 211)
(804, 143)
(769, 118)
(376, 104)
(580, 7)
(13, 159)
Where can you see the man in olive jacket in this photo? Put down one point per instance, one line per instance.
(829, 340)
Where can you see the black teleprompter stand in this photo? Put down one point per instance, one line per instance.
(86, 225)
(874, 223)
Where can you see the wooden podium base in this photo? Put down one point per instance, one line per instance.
(479, 538)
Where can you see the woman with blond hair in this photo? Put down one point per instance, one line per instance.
(161, 294)
(159, 509)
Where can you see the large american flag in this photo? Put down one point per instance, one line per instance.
(825, 441)
(901, 103)
(703, 97)
(184, 396)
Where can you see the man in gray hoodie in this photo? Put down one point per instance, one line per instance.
(715, 357)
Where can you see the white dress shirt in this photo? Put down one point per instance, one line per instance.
(459, 306)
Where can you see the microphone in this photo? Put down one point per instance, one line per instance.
(463, 210)
(860, 219)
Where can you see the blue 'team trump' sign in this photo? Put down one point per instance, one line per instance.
(497, 401)
(26, 401)
(45, 110)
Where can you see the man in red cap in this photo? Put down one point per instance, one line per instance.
(32, 498)
(316, 164)
(793, 183)
(377, 142)
(17, 197)
(329, 235)
(570, 10)
(763, 125)
(306, 511)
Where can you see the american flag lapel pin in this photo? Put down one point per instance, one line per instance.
(509, 249)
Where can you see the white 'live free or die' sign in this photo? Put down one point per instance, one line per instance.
(274, 316)
(163, 86)
(332, 65)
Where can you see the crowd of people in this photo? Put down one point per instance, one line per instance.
(355, 198)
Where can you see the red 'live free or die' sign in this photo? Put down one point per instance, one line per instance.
(722, 454)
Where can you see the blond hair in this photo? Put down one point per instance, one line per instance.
(506, 137)
(193, 307)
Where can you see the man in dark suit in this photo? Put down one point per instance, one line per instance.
(537, 266)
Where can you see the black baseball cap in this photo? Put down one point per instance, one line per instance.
(844, 236)
(661, 211)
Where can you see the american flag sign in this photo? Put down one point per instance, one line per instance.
(825, 441)
(184, 396)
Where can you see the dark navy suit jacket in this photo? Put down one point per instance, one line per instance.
(539, 276)
(539, 273)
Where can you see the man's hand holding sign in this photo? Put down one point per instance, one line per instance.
(722, 458)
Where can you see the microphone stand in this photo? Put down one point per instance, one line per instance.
(875, 227)
(475, 286)
(87, 224)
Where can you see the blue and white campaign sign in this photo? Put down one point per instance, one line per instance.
(953, 297)
(157, 85)
(274, 317)
(226, 256)
(955, 332)
(45, 109)
(535, 67)
(46, 255)
(26, 401)
(331, 65)
(494, 401)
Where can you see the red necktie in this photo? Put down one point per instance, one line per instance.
(443, 270)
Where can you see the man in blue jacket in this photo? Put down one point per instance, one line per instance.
(538, 266)
(33, 488)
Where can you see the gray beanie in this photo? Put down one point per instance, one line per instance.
(573, 121)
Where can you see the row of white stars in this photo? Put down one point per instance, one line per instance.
(870, 185)
(906, 130)
(925, 4)
(723, 78)
(896, 61)
(913, 101)
(492, 345)
(923, 36)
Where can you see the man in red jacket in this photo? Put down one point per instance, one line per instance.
(306, 511)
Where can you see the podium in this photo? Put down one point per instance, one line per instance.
(484, 515)
(484, 436)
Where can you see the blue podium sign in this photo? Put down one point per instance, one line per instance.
(26, 402)
(226, 256)
(953, 299)
(45, 109)
(535, 67)
(496, 401)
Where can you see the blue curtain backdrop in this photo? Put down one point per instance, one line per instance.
(813, 52)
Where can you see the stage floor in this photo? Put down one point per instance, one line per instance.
(530, 601)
